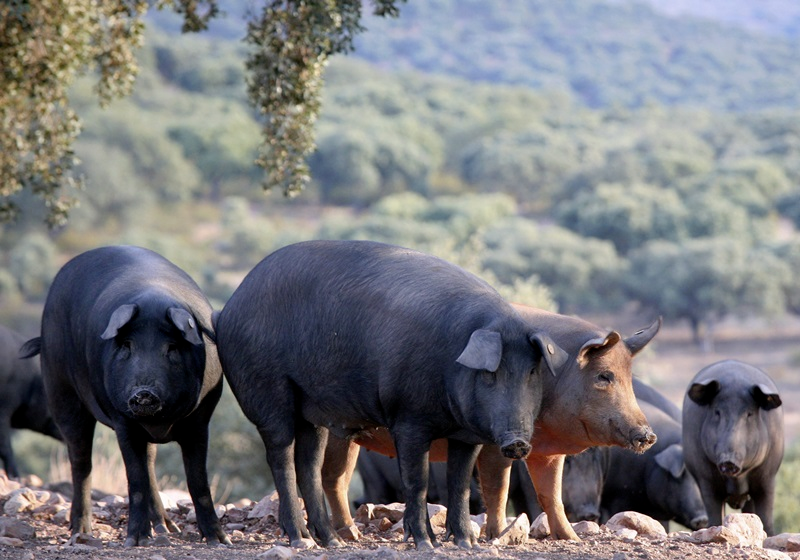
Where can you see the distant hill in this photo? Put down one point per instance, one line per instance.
(726, 55)
(774, 17)
(604, 53)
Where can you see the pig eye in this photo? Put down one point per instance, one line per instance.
(605, 378)
(489, 377)
(126, 344)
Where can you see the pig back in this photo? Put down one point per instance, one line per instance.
(357, 326)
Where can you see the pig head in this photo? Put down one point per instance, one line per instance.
(733, 438)
(589, 402)
(153, 362)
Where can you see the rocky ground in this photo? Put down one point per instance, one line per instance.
(34, 519)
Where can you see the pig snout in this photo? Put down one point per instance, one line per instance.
(516, 449)
(728, 468)
(587, 513)
(144, 402)
(642, 438)
(699, 522)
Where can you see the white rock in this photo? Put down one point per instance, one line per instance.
(476, 529)
(11, 541)
(516, 532)
(777, 554)
(737, 529)
(6, 485)
(364, 513)
(779, 542)
(540, 528)
(393, 511)
(16, 528)
(277, 553)
(586, 528)
(22, 499)
(266, 507)
(748, 527)
(643, 525)
(438, 515)
(625, 533)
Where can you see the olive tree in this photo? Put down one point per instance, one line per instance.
(706, 280)
(46, 45)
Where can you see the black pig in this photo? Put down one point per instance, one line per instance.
(22, 400)
(351, 335)
(733, 438)
(127, 340)
(656, 482)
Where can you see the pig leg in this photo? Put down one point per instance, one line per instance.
(158, 516)
(494, 471)
(77, 426)
(6, 452)
(309, 455)
(712, 498)
(194, 449)
(412, 454)
(337, 471)
(762, 501)
(460, 463)
(135, 455)
(546, 473)
(280, 456)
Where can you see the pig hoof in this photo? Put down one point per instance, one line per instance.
(130, 542)
(160, 529)
(464, 543)
(425, 545)
(222, 543)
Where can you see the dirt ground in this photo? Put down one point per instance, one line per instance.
(258, 539)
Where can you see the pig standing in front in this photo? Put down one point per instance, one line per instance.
(587, 401)
(22, 400)
(733, 438)
(349, 335)
(655, 483)
(126, 340)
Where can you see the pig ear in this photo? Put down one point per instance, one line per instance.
(703, 392)
(765, 397)
(639, 339)
(671, 460)
(30, 348)
(119, 319)
(185, 323)
(597, 346)
(554, 356)
(483, 351)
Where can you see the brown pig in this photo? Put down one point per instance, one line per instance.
(587, 402)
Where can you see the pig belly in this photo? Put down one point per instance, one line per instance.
(380, 441)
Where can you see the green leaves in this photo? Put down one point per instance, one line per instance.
(292, 40)
(44, 46)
